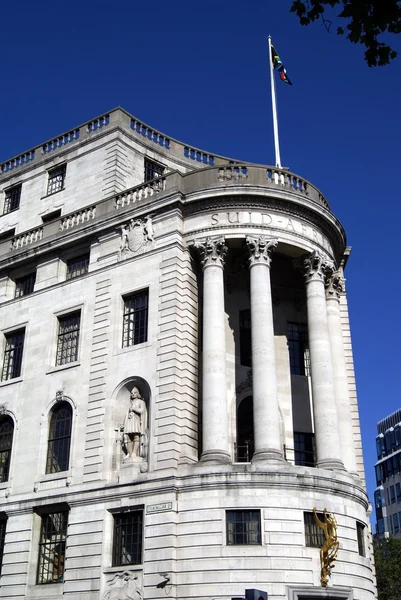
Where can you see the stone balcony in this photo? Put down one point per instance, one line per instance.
(215, 182)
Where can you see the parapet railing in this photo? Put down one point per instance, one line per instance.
(211, 181)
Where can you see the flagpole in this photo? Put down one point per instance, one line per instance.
(274, 107)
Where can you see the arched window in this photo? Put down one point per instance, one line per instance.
(245, 435)
(58, 447)
(6, 442)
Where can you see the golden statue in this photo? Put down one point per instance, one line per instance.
(329, 550)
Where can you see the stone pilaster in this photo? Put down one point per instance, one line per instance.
(334, 289)
(214, 380)
(316, 268)
(265, 396)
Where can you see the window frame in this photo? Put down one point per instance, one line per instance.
(30, 278)
(72, 273)
(118, 549)
(360, 536)
(152, 167)
(42, 544)
(129, 324)
(51, 456)
(62, 338)
(308, 442)
(232, 536)
(314, 536)
(298, 349)
(52, 174)
(7, 373)
(7, 450)
(8, 198)
(3, 531)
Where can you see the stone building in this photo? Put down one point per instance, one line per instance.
(177, 387)
(388, 477)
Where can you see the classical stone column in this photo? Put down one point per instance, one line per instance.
(334, 288)
(316, 267)
(265, 398)
(214, 381)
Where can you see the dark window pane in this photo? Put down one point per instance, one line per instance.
(56, 179)
(304, 452)
(245, 340)
(12, 199)
(135, 327)
(58, 448)
(298, 346)
(6, 443)
(13, 355)
(243, 527)
(3, 525)
(68, 338)
(152, 170)
(24, 285)
(76, 267)
(127, 543)
(360, 532)
(53, 535)
(314, 536)
(245, 433)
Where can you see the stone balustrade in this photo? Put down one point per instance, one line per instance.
(26, 238)
(80, 216)
(60, 141)
(150, 134)
(145, 190)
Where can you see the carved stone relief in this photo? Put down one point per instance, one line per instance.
(135, 236)
(124, 586)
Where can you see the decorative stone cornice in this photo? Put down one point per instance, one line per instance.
(334, 286)
(316, 267)
(212, 251)
(260, 249)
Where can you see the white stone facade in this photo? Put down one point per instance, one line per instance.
(230, 258)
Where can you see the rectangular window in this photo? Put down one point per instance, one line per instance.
(392, 494)
(360, 534)
(53, 534)
(68, 338)
(398, 492)
(78, 266)
(304, 449)
(298, 346)
(245, 340)
(3, 526)
(152, 170)
(127, 542)
(12, 199)
(56, 180)
(314, 536)
(396, 523)
(24, 285)
(243, 527)
(13, 354)
(135, 326)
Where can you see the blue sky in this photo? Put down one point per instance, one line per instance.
(199, 72)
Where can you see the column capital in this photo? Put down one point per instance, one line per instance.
(212, 251)
(316, 267)
(260, 248)
(334, 286)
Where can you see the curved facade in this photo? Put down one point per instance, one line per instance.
(177, 390)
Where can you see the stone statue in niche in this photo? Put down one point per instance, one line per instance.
(135, 429)
(124, 586)
(135, 236)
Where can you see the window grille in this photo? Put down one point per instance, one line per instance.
(245, 339)
(3, 526)
(68, 338)
(25, 285)
(135, 326)
(6, 443)
(243, 527)
(56, 180)
(13, 355)
(78, 266)
(304, 452)
(392, 494)
(127, 543)
(58, 447)
(53, 533)
(298, 346)
(152, 170)
(12, 199)
(360, 533)
(314, 536)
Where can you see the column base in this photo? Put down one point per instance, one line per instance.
(333, 464)
(216, 456)
(268, 455)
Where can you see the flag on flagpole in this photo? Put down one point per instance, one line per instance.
(278, 66)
